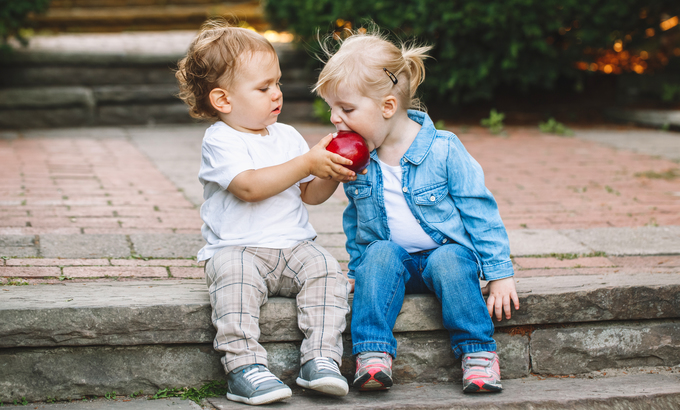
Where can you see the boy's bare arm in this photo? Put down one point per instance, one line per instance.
(259, 184)
(501, 292)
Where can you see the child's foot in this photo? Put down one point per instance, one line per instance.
(481, 372)
(374, 371)
(255, 384)
(322, 374)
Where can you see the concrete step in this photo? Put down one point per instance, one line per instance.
(634, 391)
(122, 15)
(75, 339)
(41, 89)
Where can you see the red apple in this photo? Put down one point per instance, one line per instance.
(352, 146)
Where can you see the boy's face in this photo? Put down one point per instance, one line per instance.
(255, 94)
(351, 110)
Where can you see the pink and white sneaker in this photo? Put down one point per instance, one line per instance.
(481, 372)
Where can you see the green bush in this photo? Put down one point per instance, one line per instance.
(482, 45)
(13, 18)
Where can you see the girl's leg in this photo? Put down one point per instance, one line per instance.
(452, 274)
(378, 296)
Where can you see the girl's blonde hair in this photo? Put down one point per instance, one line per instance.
(369, 62)
(213, 61)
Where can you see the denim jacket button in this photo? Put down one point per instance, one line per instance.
(405, 189)
(417, 220)
(432, 198)
(356, 192)
(444, 240)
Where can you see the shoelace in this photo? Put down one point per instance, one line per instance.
(479, 359)
(324, 363)
(258, 376)
(373, 358)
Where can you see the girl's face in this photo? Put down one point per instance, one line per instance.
(353, 111)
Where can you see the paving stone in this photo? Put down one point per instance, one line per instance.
(84, 246)
(18, 246)
(57, 262)
(115, 272)
(651, 142)
(29, 272)
(534, 263)
(585, 348)
(167, 245)
(526, 242)
(629, 241)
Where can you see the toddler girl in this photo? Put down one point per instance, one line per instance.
(420, 220)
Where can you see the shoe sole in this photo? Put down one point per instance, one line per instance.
(327, 385)
(485, 388)
(379, 381)
(271, 397)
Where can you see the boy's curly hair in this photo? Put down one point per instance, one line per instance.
(213, 61)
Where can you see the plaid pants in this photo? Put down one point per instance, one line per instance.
(241, 279)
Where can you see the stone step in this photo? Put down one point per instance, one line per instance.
(43, 89)
(660, 390)
(119, 15)
(76, 339)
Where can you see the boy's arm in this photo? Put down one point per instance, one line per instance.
(255, 185)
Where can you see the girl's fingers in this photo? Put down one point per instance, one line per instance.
(490, 304)
(506, 307)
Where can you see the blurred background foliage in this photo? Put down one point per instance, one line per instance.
(524, 45)
(14, 18)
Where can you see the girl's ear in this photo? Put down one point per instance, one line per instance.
(219, 99)
(389, 106)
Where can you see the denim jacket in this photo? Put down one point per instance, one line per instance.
(444, 188)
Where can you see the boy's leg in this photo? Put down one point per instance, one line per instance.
(322, 290)
(379, 290)
(314, 277)
(239, 279)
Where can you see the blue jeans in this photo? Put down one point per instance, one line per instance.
(387, 272)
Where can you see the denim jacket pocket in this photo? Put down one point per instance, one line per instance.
(434, 203)
(361, 194)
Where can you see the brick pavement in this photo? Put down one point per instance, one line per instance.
(58, 188)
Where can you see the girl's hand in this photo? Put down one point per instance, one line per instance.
(501, 292)
(327, 165)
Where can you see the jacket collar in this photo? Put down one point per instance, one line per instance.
(419, 148)
(423, 142)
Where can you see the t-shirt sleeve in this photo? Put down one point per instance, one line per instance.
(303, 148)
(223, 160)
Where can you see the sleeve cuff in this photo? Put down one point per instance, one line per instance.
(498, 271)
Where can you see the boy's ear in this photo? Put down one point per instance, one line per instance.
(389, 106)
(219, 99)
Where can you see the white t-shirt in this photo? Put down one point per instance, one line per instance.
(277, 222)
(405, 229)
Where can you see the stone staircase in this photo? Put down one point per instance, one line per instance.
(86, 339)
(71, 88)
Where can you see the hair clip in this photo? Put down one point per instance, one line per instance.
(392, 76)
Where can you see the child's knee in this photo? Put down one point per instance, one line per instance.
(453, 260)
